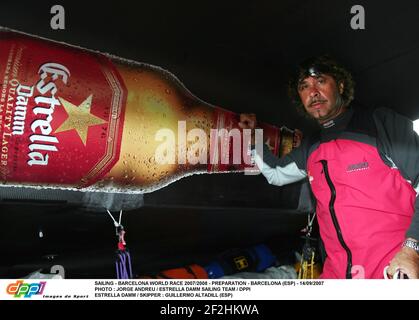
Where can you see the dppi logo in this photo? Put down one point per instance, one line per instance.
(27, 290)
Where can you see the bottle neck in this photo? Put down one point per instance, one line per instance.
(229, 149)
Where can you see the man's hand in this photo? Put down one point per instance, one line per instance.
(407, 262)
(248, 121)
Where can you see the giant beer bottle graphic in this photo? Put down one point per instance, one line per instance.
(81, 120)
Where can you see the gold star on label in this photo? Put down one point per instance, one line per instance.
(79, 118)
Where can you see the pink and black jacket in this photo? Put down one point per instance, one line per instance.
(363, 168)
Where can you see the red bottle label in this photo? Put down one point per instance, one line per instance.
(61, 113)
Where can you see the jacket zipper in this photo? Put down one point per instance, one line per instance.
(335, 220)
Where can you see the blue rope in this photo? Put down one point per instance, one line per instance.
(123, 265)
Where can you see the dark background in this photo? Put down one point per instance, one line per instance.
(238, 55)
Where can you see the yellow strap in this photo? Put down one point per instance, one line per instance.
(306, 267)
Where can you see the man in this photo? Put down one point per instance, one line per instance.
(363, 168)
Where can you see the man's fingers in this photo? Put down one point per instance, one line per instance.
(247, 121)
(392, 273)
(245, 117)
(395, 272)
(392, 269)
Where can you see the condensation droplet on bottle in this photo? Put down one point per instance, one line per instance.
(125, 162)
(167, 91)
(110, 139)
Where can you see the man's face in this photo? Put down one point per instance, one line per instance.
(321, 97)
